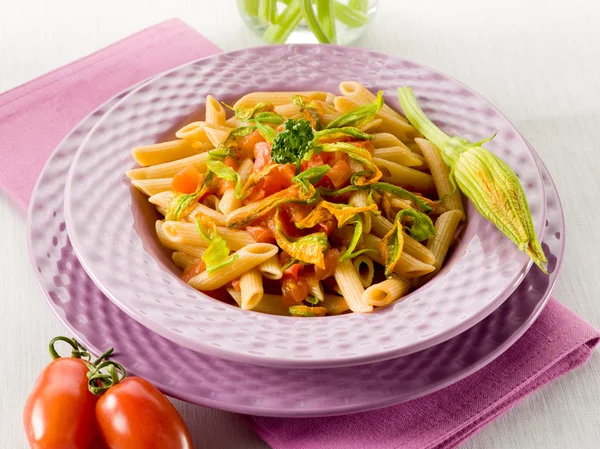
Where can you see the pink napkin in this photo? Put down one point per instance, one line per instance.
(35, 116)
(54, 103)
(558, 342)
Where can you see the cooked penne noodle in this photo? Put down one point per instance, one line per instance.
(407, 266)
(212, 202)
(381, 226)
(233, 122)
(159, 153)
(194, 251)
(152, 186)
(288, 110)
(270, 304)
(247, 258)
(329, 98)
(350, 286)
(245, 170)
(386, 140)
(169, 169)
(335, 304)
(162, 200)
(194, 131)
(361, 95)
(229, 202)
(400, 155)
(316, 289)
(271, 268)
(440, 172)
(215, 114)
(216, 135)
(445, 228)
(275, 98)
(365, 269)
(370, 126)
(386, 292)
(390, 123)
(399, 174)
(355, 166)
(361, 199)
(251, 288)
(186, 233)
(183, 260)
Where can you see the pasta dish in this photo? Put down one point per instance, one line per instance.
(302, 203)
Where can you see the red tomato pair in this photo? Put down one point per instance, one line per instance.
(62, 412)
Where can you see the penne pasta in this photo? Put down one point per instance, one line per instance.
(406, 176)
(400, 155)
(229, 202)
(193, 132)
(350, 286)
(335, 304)
(381, 226)
(216, 135)
(211, 201)
(370, 126)
(270, 304)
(183, 260)
(275, 98)
(251, 288)
(271, 268)
(153, 186)
(288, 110)
(159, 153)
(386, 292)
(163, 199)
(194, 251)
(245, 170)
(186, 233)
(316, 289)
(247, 258)
(361, 199)
(215, 114)
(169, 169)
(440, 172)
(233, 122)
(365, 269)
(361, 95)
(445, 227)
(386, 140)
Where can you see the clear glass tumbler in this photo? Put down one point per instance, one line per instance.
(307, 21)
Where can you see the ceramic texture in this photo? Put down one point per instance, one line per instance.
(98, 323)
(112, 227)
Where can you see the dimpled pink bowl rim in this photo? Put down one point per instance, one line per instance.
(112, 231)
(237, 387)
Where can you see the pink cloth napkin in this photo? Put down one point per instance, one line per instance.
(558, 342)
(35, 116)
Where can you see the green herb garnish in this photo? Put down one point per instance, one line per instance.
(293, 143)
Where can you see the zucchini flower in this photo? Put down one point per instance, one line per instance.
(490, 184)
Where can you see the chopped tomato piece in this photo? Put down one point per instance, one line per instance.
(187, 180)
(332, 257)
(287, 225)
(278, 179)
(340, 173)
(294, 291)
(297, 211)
(366, 144)
(262, 234)
(293, 271)
(332, 158)
(262, 155)
(327, 226)
(224, 186)
(193, 270)
(256, 193)
(248, 142)
(236, 285)
(230, 162)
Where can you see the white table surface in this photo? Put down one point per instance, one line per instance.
(537, 60)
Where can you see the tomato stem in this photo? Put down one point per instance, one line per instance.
(98, 381)
(78, 350)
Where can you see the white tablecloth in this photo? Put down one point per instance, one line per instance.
(537, 60)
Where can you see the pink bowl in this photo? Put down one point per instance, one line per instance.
(111, 225)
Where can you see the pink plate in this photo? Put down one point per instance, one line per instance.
(112, 227)
(188, 375)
